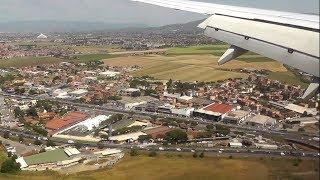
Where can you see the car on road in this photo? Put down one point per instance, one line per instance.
(178, 149)
(161, 148)
(282, 154)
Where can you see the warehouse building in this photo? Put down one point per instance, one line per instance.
(236, 117)
(261, 120)
(214, 111)
(58, 124)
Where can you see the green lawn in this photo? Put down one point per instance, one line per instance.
(47, 157)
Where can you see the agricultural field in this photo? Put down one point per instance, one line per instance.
(33, 61)
(28, 61)
(92, 49)
(216, 50)
(186, 167)
(202, 67)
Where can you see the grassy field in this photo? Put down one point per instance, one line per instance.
(33, 61)
(186, 167)
(3, 155)
(288, 78)
(202, 67)
(216, 50)
(28, 61)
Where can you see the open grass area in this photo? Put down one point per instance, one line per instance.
(3, 155)
(186, 167)
(92, 57)
(33, 61)
(190, 67)
(27, 61)
(216, 50)
(288, 78)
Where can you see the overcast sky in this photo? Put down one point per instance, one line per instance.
(124, 11)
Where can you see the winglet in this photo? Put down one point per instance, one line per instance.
(312, 89)
(232, 53)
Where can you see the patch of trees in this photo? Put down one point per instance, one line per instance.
(126, 130)
(222, 129)
(144, 138)
(18, 113)
(134, 152)
(10, 165)
(176, 136)
(139, 82)
(114, 98)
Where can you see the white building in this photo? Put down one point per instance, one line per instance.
(187, 112)
(109, 73)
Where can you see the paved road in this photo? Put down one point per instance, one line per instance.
(298, 137)
(213, 151)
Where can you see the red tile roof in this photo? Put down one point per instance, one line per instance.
(67, 120)
(220, 108)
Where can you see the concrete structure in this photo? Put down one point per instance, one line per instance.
(186, 112)
(266, 146)
(236, 117)
(301, 109)
(304, 120)
(78, 93)
(127, 137)
(109, 73)
(129, 103)
(108, 152)
(260, 120)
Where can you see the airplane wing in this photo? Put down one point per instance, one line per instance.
(290, 38)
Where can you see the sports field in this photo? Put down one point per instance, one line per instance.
(47, 157)
(187, 168)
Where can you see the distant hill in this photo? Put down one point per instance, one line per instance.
(186, 27)
(62, 26)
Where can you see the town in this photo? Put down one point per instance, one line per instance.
(68, 115)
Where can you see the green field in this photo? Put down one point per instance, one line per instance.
(186, 168)
(288, 78)
(33, 61)
(93, 57)
(216, 50)
(47, 157)
(201, 67)
(28, 61)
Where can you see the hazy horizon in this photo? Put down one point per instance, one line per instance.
(125, 11)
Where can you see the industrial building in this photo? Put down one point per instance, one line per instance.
(236, 117)
(58, 124)
(261, 120)
(213, 111)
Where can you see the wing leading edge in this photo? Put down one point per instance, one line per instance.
(290, 38)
